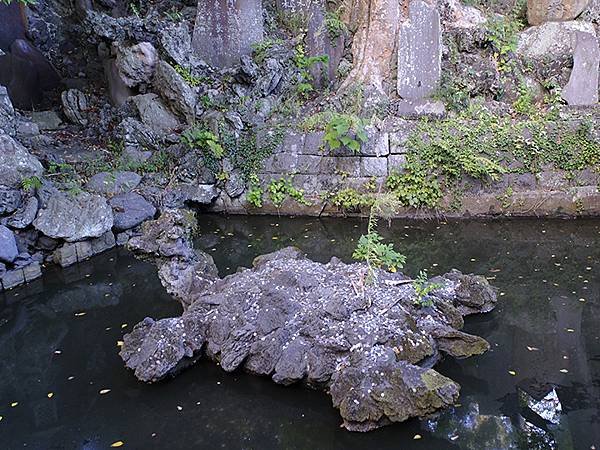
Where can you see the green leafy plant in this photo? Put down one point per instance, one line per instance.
(345, 130)
(503, 37)
(254, 196)
(261, 49)
(31, 183)
(334, 24)
(24, 2)
(423, 288)
(189, 78)
(279, 190)
(371, 247)
(350, 199)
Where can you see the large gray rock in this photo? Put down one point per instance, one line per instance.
(419, 52)
(182, 194)
(155, 114)
(540, 11)
(8, 245)
(118, 91)
(582, 88)
(46, 120)
(319, 324)
(130, 210)
(176, 41)
(113, 183)
(16, 163)
(74, 218)
(136, 64)
(226, 29)
(176, 91)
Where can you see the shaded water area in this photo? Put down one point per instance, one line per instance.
(59, 336)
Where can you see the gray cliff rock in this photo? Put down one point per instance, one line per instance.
(16, 163)
(130, 210)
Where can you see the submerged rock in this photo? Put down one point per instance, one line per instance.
(369, 345)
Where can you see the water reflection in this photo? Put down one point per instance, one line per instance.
(545, 330)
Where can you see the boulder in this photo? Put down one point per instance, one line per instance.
(370, 346)
(419, 52)
(540, 11)
(75, 106)
(137, 135)
(552, 40)
(136, 64)
(16, 163)
(182, 194)
(74, 218)
(155, 114)
(176, 41)
(226, 29)
(582, 88)
(130, 210)
(175, 90)
(8, 245)
(113, 183)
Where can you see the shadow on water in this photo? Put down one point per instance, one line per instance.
(546, 328)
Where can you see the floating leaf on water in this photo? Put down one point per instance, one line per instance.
(582, 300)
(564, 371)
(71, 378)
(124, 325)
(570, 330)
(532, 349)
(120, 343)
(79, 314)
(117, 444)
(275, 238)
(57, 352)
(417, 437)
(104, 391)
(179, 408)
(50, 394)
(512, 372)
(1, 418)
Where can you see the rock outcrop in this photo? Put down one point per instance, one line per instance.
(371, 346)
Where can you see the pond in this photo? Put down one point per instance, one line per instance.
(64, 385)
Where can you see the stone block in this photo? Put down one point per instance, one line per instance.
(313, 143)
(373, 166)
(32, 271)
(12, 278)
(396, 163)
(399, 140)
(65, 256)
(333, 165)
(378, 143)
(83, 250)
(582, 88)
(103, 243)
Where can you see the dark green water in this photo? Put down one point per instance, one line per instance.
(540, 331)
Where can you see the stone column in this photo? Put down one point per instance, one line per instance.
(419, 52)
(226, 29)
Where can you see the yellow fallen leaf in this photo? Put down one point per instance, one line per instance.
(512, 372)
(104, 391)
(13, 404)
(570, 330)
(417, 436)
(79, 314)
(117, 444)
(124, 325)
(120, 343)
(532, 349)
(50, 394)
(1, 418)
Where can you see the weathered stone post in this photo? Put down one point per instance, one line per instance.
(226, 29)
(419, 52)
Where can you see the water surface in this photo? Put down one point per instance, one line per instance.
(59, 336)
